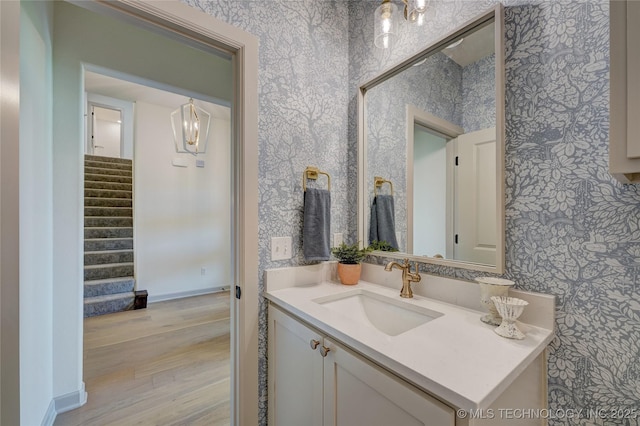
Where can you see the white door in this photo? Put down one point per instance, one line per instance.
(295, 372)
(357, 392)
(475, 224)
(106, 131)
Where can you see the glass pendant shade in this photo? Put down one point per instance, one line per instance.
(190, 128)
(415, 10)
(384, 29)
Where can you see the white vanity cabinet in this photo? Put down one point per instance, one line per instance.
(624, 132)
(331, 385)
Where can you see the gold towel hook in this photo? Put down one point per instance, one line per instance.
(378, 182)
(312, 173)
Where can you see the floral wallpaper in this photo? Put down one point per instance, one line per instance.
(571, 229)
(303, 74)
(478, 94)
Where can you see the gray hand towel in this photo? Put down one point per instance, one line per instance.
(382, 225)
(316, 226)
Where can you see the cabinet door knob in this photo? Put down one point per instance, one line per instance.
(324, 350)
(314, 344)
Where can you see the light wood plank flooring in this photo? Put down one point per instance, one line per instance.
(168, 364)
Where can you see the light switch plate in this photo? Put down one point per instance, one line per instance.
(280, 248)
(337, 239)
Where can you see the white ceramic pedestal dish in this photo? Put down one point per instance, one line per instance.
(510, 308)
(490, 287)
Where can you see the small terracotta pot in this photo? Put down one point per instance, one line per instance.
(349, 274)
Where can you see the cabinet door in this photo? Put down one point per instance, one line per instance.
(295, 372)
(356, 392)
(624, 142)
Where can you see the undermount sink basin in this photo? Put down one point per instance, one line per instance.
(388, 315)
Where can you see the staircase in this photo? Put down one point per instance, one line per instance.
(108, 235)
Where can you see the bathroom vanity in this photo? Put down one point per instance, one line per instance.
(351, 355)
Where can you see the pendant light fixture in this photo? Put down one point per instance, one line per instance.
(190, 128)
(384, 24)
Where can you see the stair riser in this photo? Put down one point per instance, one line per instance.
(112, 172)
(104, 193)
(107, 202)
(108, 272)
(109, 307)
(108, 178)
(108, 211)
(108, 244)
(108, 232)
(94, 290)
(107, 165)
(118, 186)
(105, 258)
(108, 221)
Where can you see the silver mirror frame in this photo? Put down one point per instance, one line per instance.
(495, 14)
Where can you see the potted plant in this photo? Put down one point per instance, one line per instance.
(349, 258)
(381, 246)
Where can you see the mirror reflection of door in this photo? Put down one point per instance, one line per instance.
(106, 131)
(476, 197)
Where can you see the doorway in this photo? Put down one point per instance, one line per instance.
(242, 49)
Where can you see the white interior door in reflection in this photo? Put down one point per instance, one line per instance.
(106, 131)
(476, 197)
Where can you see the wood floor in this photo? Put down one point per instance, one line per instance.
(164, 365)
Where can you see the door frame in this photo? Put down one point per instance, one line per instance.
(415, 115)
(185, 21)
(126, 128)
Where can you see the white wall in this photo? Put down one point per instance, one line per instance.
(429, 193)
(36, 226)
(182, 214)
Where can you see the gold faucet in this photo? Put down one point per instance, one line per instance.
(407, 276)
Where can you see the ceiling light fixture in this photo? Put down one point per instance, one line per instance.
(190, 128)
(385, 28)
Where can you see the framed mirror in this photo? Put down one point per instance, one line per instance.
(431, 152)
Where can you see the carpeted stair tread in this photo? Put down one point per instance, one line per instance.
(107, 165)
(107, 202)
(108, 232)
(107, 193)
(110, 303)
(114, 172)
(93, 288)
(108, 270)
(104, 257)
(108, 221)
(103, 244)
(107, 178)
(102, 159)
(108, 211)
(118, 186)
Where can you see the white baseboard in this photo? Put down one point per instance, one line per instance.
(50, 415)
(183, 294)
(70, 401)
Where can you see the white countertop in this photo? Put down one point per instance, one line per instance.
(455, 356)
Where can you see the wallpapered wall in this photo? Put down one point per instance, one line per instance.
(303, 75)
(571, 230)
